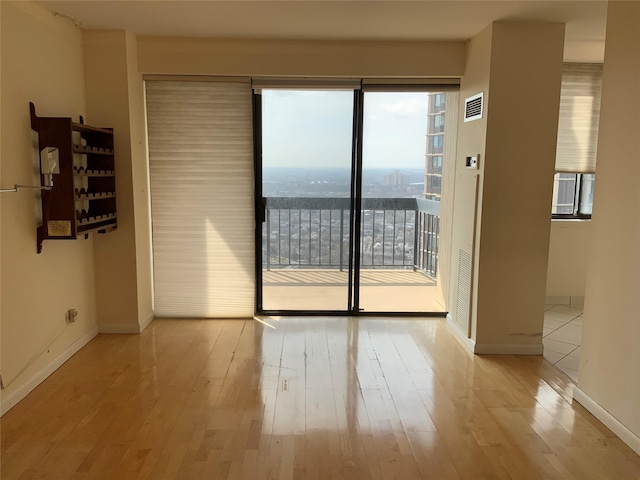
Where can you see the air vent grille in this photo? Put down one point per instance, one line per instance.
(473, 107)
(463, 293)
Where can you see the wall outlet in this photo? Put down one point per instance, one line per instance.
(71, 315)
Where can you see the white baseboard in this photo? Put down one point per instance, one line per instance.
(509, 348)
(10, 401)
(145, 323)
(564, 300)
(466, 341)
(119, 328)
(577, 300)
(495, 348)
(126, 327)
(626, 435)
(557, 300)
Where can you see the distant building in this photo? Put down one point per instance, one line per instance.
(435, 143)
(396, 178)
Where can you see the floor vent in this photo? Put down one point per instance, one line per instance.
(473, 107)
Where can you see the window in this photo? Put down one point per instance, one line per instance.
(436, 162)
(437, 141)
(579, 117)
(440, 100)
(203, 232)
(577, 140)
(572, 195)
(439, 121)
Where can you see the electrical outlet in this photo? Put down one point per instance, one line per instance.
(71, 315)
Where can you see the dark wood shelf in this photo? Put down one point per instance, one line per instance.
(82, 128)
(87, 150)
(82, 199)
(82, 172)
(83, 221)
(95, 195)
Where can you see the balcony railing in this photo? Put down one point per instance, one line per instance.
(397, 233)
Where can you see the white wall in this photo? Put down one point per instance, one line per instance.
(42, 63)
(609, 375)
(115, 98)
(569, 252)
(206, 56)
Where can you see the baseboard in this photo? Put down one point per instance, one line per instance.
(126, 327)
(145, 323)
(557, 300)
(575, 300)
(564, 300)
(495, 348)
(10, 401)
(466, 341)
(509, 348)
(626, 435)
(119, 328)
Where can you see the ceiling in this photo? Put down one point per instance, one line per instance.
(331, 20)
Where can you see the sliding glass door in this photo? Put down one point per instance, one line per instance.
(306, 183)
(391, 273)
(349, 185)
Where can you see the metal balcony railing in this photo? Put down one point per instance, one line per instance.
(397, 233)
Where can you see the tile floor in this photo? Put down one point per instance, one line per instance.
(562, 337)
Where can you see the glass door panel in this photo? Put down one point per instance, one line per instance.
(306, 187)
(400, 196)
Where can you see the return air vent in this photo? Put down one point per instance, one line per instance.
(463, 292)
(473, 107)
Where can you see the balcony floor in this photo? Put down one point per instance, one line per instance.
(326, 289)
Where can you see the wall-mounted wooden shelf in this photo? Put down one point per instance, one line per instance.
(82, 198)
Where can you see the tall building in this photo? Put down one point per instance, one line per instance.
(396, 178)
(435, 143)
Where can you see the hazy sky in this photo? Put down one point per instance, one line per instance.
(314, 129)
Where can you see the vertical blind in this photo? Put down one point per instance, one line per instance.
(201, 171)
(578, 120)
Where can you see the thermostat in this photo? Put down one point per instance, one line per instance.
(472, 162)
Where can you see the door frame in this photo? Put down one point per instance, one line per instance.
(353, 302)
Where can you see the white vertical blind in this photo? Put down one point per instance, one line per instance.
(579, 115)
(201, 169)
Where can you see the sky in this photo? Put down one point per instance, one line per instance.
(314, 129)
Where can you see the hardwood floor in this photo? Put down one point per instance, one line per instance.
(310, 398)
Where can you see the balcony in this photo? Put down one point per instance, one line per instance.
(305, 252)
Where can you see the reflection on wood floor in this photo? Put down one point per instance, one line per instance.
(305, 398)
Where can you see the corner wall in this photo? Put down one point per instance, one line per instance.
(42, 63)
(115, 98)
(609, 379)
(518, 65)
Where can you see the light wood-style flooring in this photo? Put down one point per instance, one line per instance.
(305, 398)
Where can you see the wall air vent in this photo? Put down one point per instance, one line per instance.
(473, 107)
(463, 292)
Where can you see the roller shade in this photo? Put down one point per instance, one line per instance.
(201, 171)
(579, 116)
